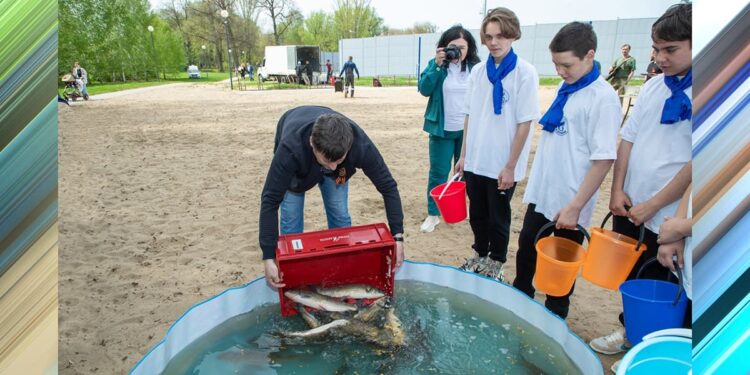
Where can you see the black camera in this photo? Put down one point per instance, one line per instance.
(452, 52)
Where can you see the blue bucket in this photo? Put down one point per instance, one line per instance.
(651, 305)
(659, 355)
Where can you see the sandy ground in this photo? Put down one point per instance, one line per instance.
(159, 198)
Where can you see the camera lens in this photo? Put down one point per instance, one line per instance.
(451, 53)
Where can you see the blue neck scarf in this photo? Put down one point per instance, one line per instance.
(496, 76)
(554, 116)
(678, 106)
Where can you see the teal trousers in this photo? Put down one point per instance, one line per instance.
(444, 153)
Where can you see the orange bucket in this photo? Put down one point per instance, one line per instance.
(611, 256)
(557, 263)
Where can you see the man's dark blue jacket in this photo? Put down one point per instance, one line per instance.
(295, 168)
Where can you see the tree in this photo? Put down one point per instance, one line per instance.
(200, 23)
(110, 39)
(317, 29)
(169, 44)
(418, 28)
(356, 19)
(283, 13)
(248, 9)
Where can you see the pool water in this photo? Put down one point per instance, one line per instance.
(448, 332)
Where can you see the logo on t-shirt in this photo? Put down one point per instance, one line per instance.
(506, 96)
(562, 129)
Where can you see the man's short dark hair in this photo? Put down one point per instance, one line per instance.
(676, 24)
(332, 136)
(577, 37)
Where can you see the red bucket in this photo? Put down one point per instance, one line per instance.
(452, 204)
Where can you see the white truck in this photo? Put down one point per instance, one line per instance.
(280, 63)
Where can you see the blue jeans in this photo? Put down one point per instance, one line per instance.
(335, 200)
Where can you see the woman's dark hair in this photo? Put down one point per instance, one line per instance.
(458, 32)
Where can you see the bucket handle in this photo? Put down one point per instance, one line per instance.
(679, 277)
(454, 178)
(552, 224)
(641, 235)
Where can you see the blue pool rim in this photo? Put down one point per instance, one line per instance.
(261, 278)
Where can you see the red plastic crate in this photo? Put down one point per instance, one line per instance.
(363, 254)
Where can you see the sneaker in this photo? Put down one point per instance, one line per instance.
(474, 263)
(614, 343)
(615, 366)
(493, 269)
(430, 223)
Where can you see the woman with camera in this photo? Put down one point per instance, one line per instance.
(444, 81)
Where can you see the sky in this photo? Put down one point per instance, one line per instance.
(712, 19)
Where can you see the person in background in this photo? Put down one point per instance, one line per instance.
(298, 72)
(622, 70)
(445, 83)
(243, 70)
(349, 68)
(308, 71)
(82, 79)
(653, 68)
(329, 72)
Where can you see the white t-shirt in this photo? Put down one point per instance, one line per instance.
(591, 119)
(687, 272)
(659, 151)
(687, 260)
(490, 136)
(454, 102)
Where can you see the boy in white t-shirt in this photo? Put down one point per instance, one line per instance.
(675, 241)
(653, 166)
(576, 149)
(501, 102)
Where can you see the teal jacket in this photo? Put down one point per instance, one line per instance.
(431, 85)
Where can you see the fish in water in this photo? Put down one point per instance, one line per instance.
(318, 301)
(354, 291)
(389, 336)
(311, 321)
(393, 327)
(318, 331)
(372, 313)
(375, 309)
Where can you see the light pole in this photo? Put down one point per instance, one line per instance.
(203, 47)
(225, 16)
(153, 49)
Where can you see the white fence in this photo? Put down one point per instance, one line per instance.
(406, 55)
